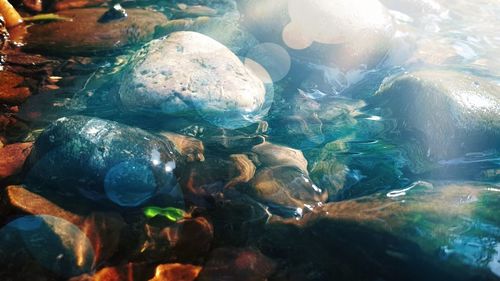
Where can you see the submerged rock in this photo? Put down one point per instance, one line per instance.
(128, 271)
(11, 90)
(187, 240)
(60, 5)
(269, 154)
(244, 170)
(450, 113)
(102, 158)
(309, 119)
(189, 147)
(176, 271)
(12, 158)
(101, 229)
(237, 264)
(186, 73)
(440, 231)
(83, 33)
(52, 242)
(287, 190)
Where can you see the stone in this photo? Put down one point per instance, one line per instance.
(219, 5)
(128, 271)
(52, 242)
(186, 73)
(313, 118)
(12, 158)
(11, 90)
(188, 240)
(12, 130)
(287, 190)
(195, 10)
(452, 113)
(176, 271)
(244, 170)
(60, 5)
(102, 230)
(330, 173)
(83, 34)
(409, 234)
(33, 5)
(189, 147)
(237, 264)
(269, 154)
(103, 159)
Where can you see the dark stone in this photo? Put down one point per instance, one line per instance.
(116, 12)
(242, 264)
(99, 157)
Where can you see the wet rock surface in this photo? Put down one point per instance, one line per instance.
(176, 271)
(286, 188)
(60, 5)
(446, 209)
(454, 112)
(187, 240)
(12, 92)
(102, 229)
(134, 271)
(102, 159)
(205, 77)
(82, 33)
(171, 164)
(45, 237)
(237, 264)
(12, 158)
(269, 155)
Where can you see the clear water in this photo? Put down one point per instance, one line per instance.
(394, 211)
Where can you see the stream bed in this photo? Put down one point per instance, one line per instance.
(250, 140)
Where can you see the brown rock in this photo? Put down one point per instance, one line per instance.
(12, 158)
(237, 264)
(190, 239)
(16, 57)
(244, 170)
(102, 229)
(11, 129)
(186, 240)
(176, 272)
(34, 5)
(390, 235)
(84, 34)
(270, 154)
(60, 5)
(189, 147)
(11, 92)
(126, 272)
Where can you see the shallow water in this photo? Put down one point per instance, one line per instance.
(391, 188)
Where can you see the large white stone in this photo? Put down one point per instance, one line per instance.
(188, 72)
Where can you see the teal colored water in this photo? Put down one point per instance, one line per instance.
(374, 154)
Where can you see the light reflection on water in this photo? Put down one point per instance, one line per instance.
(354, 148)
